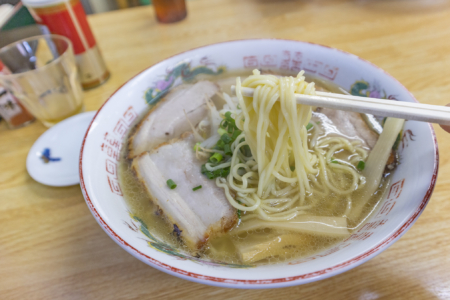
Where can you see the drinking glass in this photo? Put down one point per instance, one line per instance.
(43, 75)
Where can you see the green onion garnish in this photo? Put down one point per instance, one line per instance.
(229, 119)
(197, 188)
(333, 161)
(219, 145)
(215, 158)
(309, 126)
(210, 175)
(171, 184)
(217, 173)
(197, 147)
(292, 168)
(227, 149)
(246, 150)
(235, 134)
(221, 131)
(225, 138)
(361, 165)
(223, 172)
(228, 134)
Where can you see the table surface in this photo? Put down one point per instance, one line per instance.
(52, 248)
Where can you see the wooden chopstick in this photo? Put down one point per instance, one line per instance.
(378, 107)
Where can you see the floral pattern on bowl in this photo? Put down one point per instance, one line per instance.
(158, 245)
(182, 71)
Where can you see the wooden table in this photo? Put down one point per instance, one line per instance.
(52, 248)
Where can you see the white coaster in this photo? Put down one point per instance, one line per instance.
(53, 160)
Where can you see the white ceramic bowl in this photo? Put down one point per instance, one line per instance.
(411, 188)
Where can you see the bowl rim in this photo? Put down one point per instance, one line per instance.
(265, 283)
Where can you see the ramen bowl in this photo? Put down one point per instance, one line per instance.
(409, 192)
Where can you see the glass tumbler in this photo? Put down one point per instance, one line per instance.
(43, 75)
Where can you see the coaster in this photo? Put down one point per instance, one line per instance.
(53, 159)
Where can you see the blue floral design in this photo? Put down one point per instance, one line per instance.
(45, 156)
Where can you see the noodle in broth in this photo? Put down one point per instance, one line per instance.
(297, 169)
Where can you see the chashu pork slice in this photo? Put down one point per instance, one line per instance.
(347, 123)
(196, 215)
(167, 120)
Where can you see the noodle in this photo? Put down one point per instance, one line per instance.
(275, 182)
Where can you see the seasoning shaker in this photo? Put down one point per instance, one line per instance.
(169, 11)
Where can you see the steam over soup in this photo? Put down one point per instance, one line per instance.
(257, 179)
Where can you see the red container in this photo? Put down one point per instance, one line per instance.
(67, 18)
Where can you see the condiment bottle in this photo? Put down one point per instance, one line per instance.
(169, 11)
(11, 110)
(67, 18)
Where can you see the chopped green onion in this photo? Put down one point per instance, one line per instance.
(207, 173)
(232, 124)
(215, 158)
(197, 188)
(292, 168)
(220, 144)
(361, 165)
(197, 147)
(221, 131)
(227, 149)
(225, 138)
(171, 184)
(228, 134)
(246, 150)
(309, 126)
(318, 122)
(217, 173)
(333, 161)
(235, 134)
(223, 172)
(230, 120)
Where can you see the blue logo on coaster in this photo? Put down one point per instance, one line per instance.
(45, 156)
